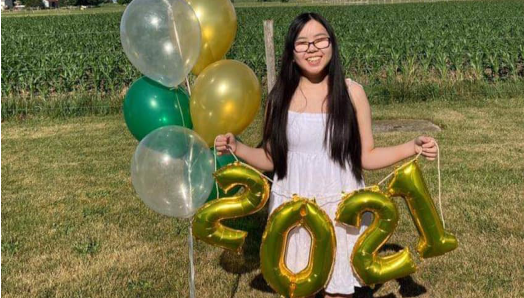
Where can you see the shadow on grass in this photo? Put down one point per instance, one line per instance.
(249, 258)
(408, 286)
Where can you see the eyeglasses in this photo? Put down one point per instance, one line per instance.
(321, 43)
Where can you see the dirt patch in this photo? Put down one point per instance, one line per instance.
(404, 125)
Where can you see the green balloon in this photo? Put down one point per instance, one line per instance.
(149, 105)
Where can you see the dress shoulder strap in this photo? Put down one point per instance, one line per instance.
(351, 81)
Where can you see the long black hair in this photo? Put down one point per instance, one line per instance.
(341, 127)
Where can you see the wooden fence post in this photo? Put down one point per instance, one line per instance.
(270, 54)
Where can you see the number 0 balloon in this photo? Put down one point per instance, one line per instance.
(306, 213)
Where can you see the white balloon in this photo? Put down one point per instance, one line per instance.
(161, 38)
(172, 171)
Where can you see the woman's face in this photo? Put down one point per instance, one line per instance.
(311, 57)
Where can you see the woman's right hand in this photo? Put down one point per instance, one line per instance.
(224, 141)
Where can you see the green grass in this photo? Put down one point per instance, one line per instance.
(394, 91)
(72, 225)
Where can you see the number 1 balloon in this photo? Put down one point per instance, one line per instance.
(409, 183)
(161, 38)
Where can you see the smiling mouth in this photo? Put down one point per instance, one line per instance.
(313, 59)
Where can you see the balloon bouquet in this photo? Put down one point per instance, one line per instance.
(173, 165)
(166, 40)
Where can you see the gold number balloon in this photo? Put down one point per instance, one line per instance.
(206, 222)
(218, 26)
(410, 185)
(226, 97)
(370, 267)
(298, 212)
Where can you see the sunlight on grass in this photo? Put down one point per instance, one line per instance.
(72, 225)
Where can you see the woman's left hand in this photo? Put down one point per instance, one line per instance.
(427, 145)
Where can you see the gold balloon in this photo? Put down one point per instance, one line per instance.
(225, 98)
(306, 213)
(368, 266)
(206, 222)
(408, 183)
(218, 27)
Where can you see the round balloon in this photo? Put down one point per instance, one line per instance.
(161, 38)
(218, 21)
(149, 105)
(172, 171)
(226, 98)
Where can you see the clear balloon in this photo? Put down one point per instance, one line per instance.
(172, 171)
(161, 38)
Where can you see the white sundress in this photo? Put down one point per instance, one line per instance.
(312, 174)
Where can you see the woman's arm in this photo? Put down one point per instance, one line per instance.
(378, 158)
(256, 157)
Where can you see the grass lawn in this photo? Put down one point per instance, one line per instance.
(72, 225)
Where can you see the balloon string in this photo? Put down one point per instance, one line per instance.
(439, 186)
(180, 110)
(190, 236)
(247, 165)
(216, 183)
(170, 13)
(390, 174)
(188, 87)
(382, 181)
(238, 160)
(191, 265)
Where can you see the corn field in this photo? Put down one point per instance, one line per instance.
(481, 41)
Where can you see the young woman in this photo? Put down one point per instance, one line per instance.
(317, 139)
